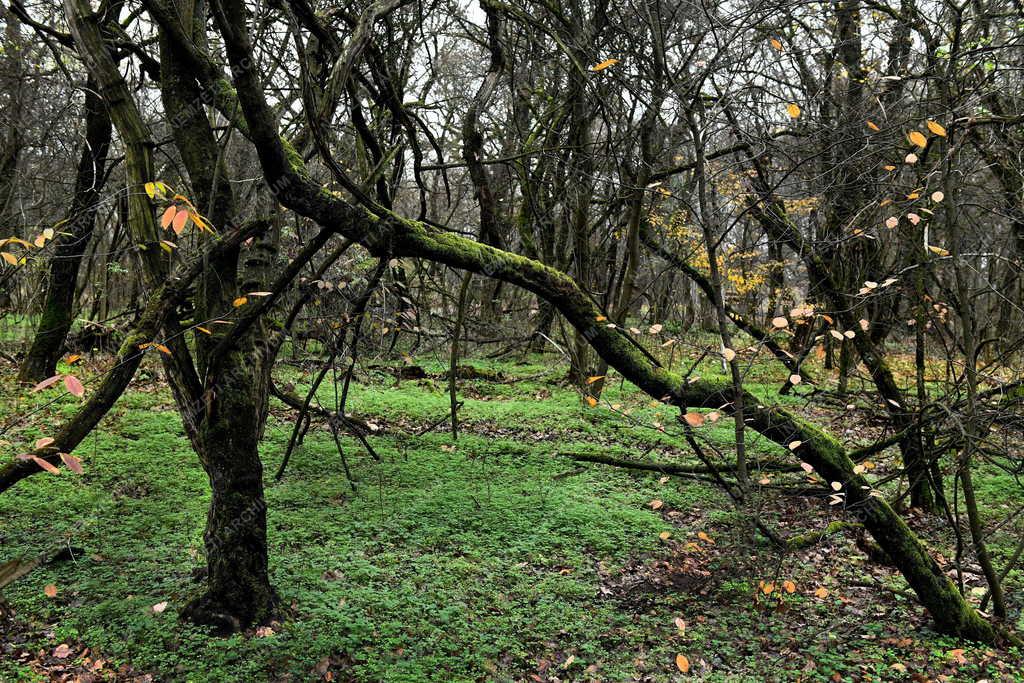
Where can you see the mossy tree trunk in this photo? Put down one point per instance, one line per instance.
(58, 307)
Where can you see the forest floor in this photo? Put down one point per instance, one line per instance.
(493, 557)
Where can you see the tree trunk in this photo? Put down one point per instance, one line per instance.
(56, 317)
(238, 593)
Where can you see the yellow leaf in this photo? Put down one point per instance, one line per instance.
(604, 65)
(789, 586)
(240, 301)
(937, 250)
(704, 537)
(591, 401)
(682, 663)
(936, 128)
(600, 318)
(793, 110)
(48, 233)
(591, 380)
(873, 126)
(151, 190)
(821, 592)
(917, 138)
(203, 330)
(665, 535)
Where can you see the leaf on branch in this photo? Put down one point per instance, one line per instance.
(180, 219)
(45, 465)
(916, 137)
(776, 44)
(74, 386)
(168, 217)
(73, 463)
(936, 128)
(793, 110)
(873, 126)
(694, 419)
(240, 301)
(48, 382)
(604, 65)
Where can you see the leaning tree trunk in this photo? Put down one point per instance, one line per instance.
(56, 316)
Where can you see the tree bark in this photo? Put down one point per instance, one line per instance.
(75, 234)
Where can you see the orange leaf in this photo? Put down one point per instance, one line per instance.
(50, 590)
(73, 358)
(665, 535)
(793, 110)
(917, 138)
(682, 663)
(10, 258)
(936, 128)
(821, 592)
(591, 380)
(168, 217)
(161, 348)
(240, 301)
(591, 401)
(873, 126)
(789, 586)
(776, 44)
(694, 419)
(180, 219)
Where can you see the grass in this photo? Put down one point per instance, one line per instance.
(490, 558)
